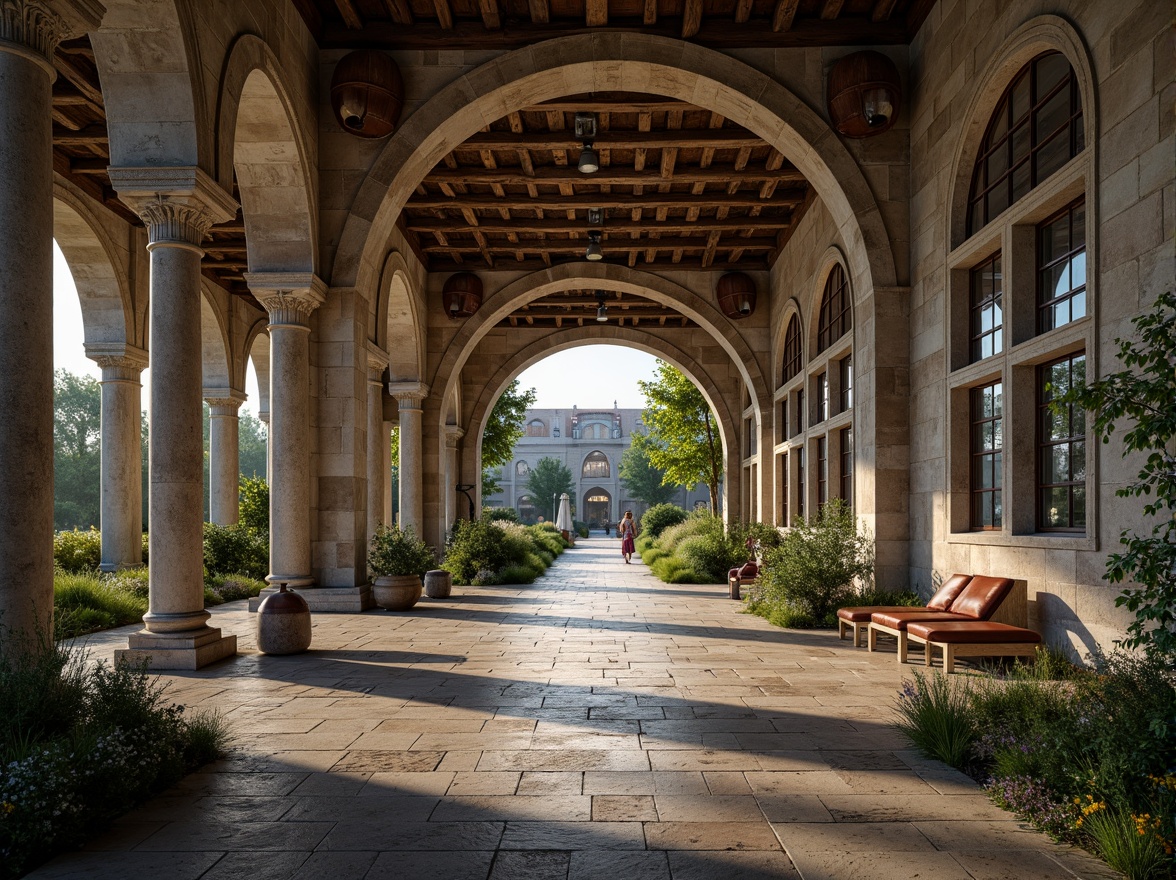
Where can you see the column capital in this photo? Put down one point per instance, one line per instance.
(408, 394)
(223, 401)
(119, 362)
(377, 362)
(34, 28)
(453, 433)
(177, 204)
(288, 297)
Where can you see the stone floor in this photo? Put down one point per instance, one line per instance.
(598, 725)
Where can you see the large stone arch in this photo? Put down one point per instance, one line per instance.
(397, 314)
(605, 276)
(478, 410)
(259, 139)
(614, 62)
(216, 360)
(100, 273)
(1044, 33)
(149, 64)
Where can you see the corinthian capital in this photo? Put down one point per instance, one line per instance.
(177, 204)
(288, 297)
(119, 362)
(408, 394)
(35, 27)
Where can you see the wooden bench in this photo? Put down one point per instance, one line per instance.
(972, 638)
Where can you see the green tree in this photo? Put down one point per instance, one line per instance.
(549, 479)
(503, 430)
(1142, 395)
(77, 456)
(642, 479)
(251, 445)
(683, 436)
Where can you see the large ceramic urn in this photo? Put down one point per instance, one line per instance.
(396, 592)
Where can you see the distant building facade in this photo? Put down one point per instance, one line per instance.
(590, 443)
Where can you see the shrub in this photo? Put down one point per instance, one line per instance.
(500, 514)
(75, 551)
(474, 546)
(699, 523)
(935, 715)
(235, 550)
(131, 580)
(516, 574)
(80, 743)
(1130, 843)
(231, 588)
(86, 603)
(672, 570)
(817, 564)
(399, 552)
(643, 543)
(660, 517)
(712, 554)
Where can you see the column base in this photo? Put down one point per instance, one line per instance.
(345, 600)
(178, 651)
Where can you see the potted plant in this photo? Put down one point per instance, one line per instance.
(398, 559)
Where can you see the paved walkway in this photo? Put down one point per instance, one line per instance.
(598, 725)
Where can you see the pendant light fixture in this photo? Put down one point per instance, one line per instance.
(594, 252)
(589, 161)
(601, 308)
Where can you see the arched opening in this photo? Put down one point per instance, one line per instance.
(597, 511)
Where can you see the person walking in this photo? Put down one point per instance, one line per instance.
(627, 532)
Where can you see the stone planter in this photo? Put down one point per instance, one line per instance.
(438, 584)
(283, 623)
(396, 592)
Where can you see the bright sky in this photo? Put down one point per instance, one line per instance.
(591, 377)
(68, 335)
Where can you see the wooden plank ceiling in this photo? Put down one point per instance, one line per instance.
(510, 24)
(578, 308)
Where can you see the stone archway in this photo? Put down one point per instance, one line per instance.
(597, 507)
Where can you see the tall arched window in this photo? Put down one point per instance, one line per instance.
(1035, 130)
(792, 353)
(522, 469)
(834, 319)
(595, 466)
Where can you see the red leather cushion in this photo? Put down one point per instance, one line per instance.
(861, 613)
(947, 594)
(749, 570)
(972, 632)
(981, 597)
(899, 619)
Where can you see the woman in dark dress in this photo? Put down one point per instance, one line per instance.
(627, 531)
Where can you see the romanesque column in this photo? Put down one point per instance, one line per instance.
(29, 34)
(178, 205)
(224, 468)
(377, 442)
(412, 496)
(289, 298)
(453, 435)
(122, 453)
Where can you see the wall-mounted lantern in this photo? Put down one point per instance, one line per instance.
(367, 93)
(736, 295)
(462, 294)
(864, 94)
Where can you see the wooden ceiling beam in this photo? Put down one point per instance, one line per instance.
(722, 138)
(540, 12)
(595, 13)
(786, 32)
(611, 102)
(400, 11)
(616, 176)
(691, 18)
(490, 15)
(883, 9)
(615, 246)
(490, 226)
(747, 264)
(831, 9)
(784, 16)
(743, 10)
(74, 68)
(649, 13)
(350, 14)
(85, 137)
(787, 198)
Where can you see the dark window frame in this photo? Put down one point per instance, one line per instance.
(835, 319)
(847, 465)
(1076, 443)
(845, 372)
(822, 397)
(980, 456)
(793, 354)
(822, 471)
(978, 299)
(1044, 305)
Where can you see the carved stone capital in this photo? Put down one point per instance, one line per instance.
(33, 28)
(119, 362)
(223, 401)
(377, 362)
(178, 205)
(288, 297)
(453, 433)
(408, 394)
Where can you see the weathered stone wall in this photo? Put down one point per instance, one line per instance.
(1126, 172)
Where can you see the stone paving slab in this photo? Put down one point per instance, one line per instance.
(596, 725)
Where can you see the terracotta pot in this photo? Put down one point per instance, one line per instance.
(396, 592)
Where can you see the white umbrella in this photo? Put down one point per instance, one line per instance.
(563, 521)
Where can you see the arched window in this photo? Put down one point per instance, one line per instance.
(595, 466)
(834, 319)
(1035, 130)
(792, 353)
(522, 469)
(536, 428)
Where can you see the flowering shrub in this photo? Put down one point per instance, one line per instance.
(1091, 759)
(80, 743)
